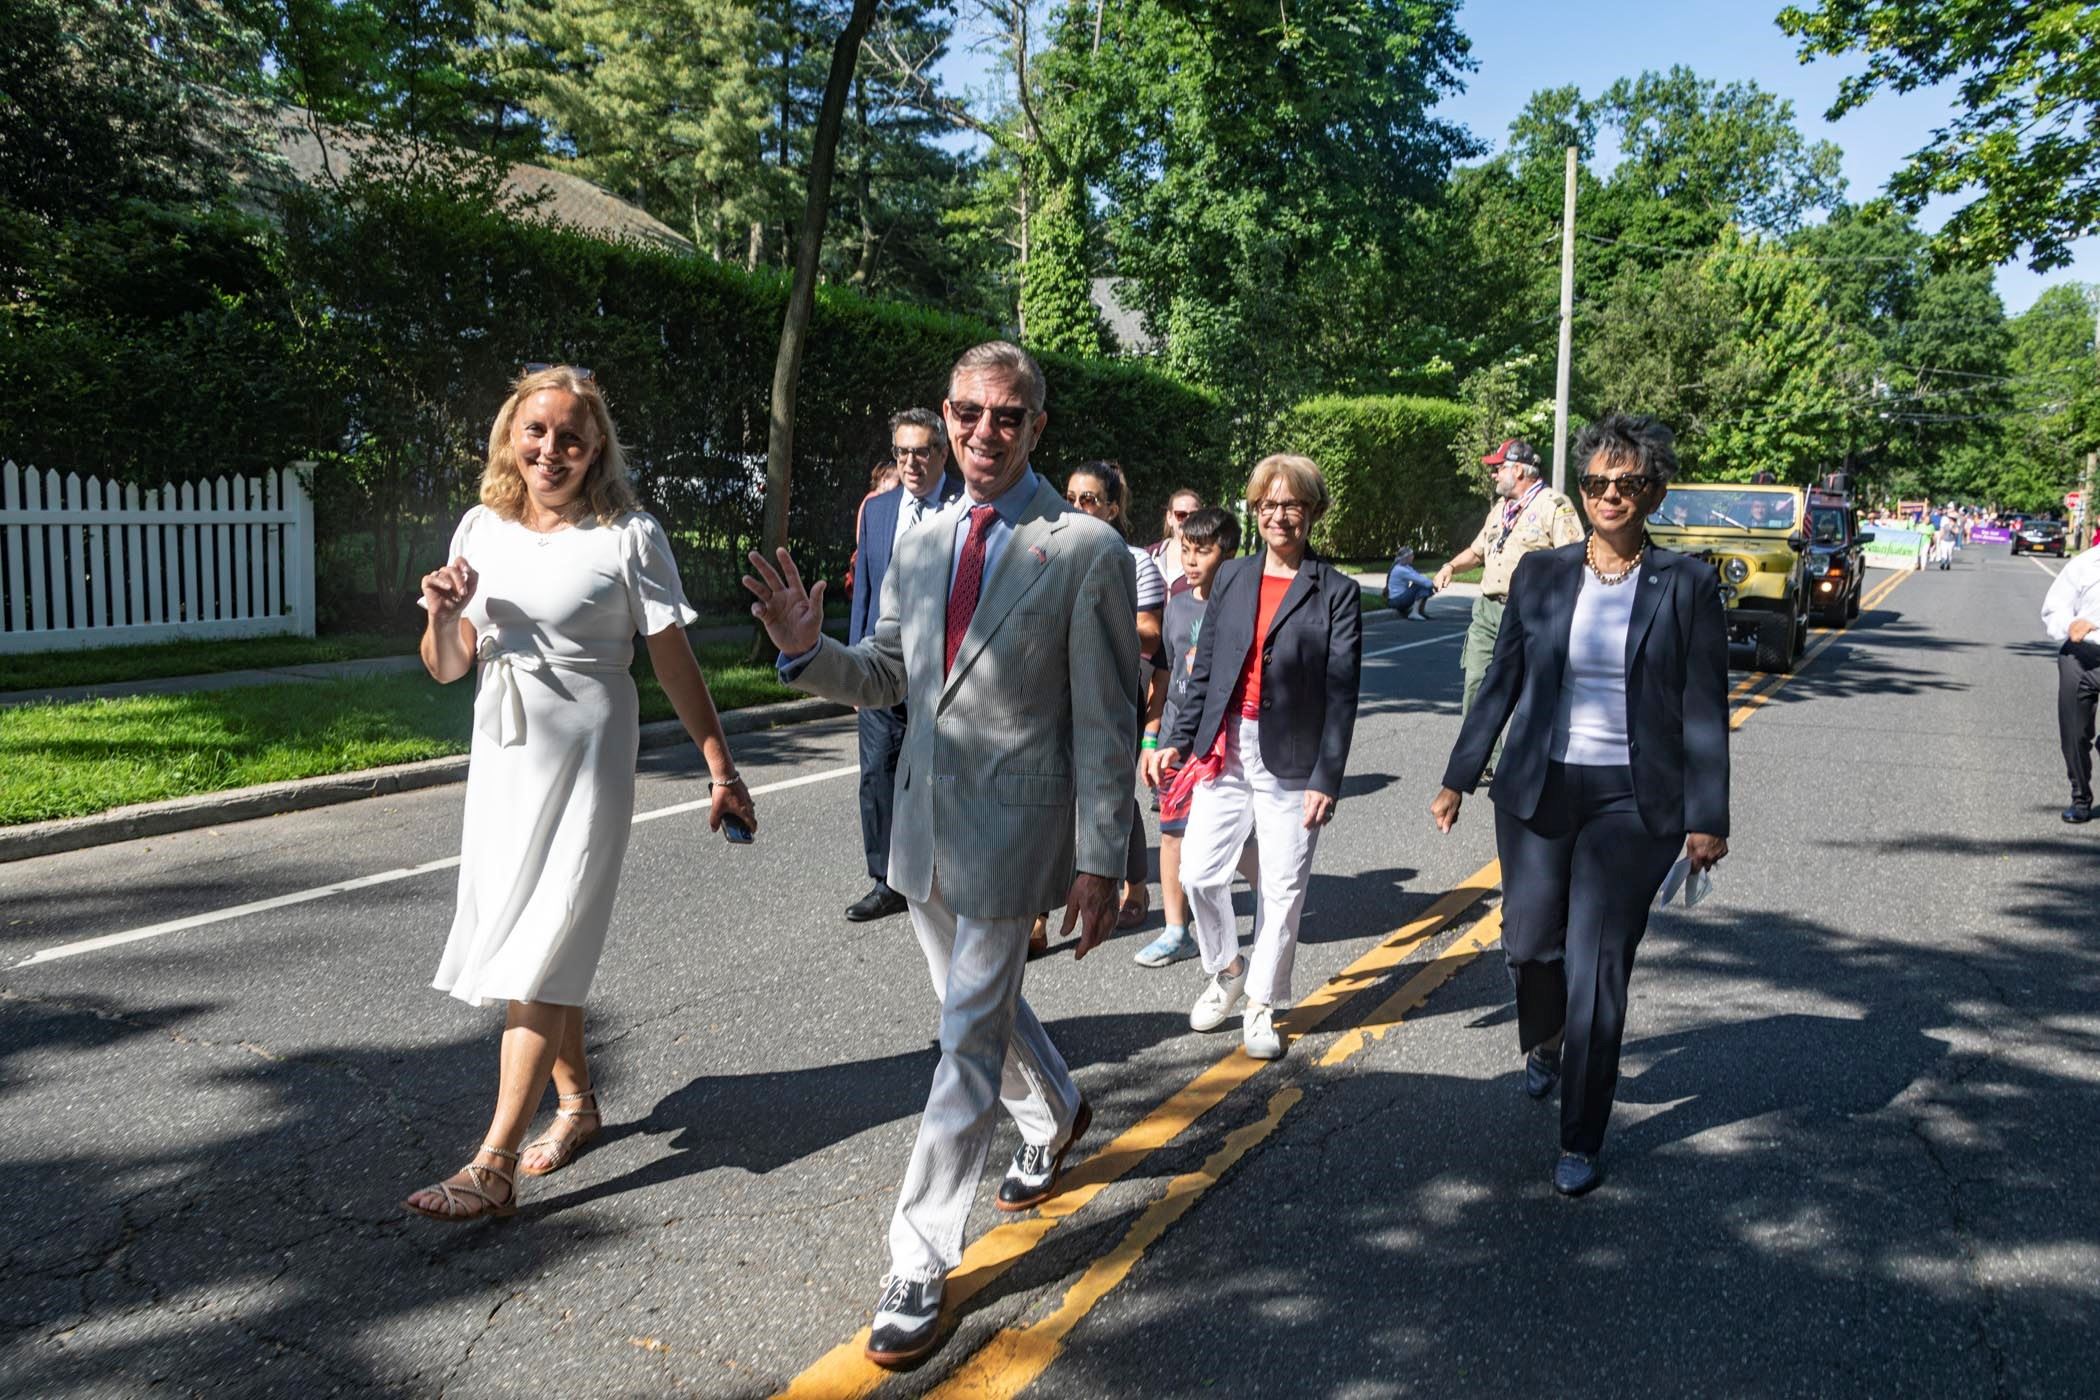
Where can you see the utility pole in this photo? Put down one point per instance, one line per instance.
(1567, 330)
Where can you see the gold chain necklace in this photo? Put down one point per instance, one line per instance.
(1589, 555)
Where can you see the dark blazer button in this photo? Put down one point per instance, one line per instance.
(1265, 702)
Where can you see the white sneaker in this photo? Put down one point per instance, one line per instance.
(1258, 1032)
(1225, 994)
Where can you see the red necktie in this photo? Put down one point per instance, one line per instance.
(969, 580)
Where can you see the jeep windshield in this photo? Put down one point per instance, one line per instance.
(1728, 510)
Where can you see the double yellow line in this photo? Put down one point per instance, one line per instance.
(1758, 687)
(1013, 1358)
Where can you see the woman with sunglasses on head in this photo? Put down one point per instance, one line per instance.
(1167, 552)
(1266, 715)
(1611, 670)
(1101, 490)
(550, 578)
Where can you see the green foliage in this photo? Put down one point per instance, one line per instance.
(1057, 305)
(2026, 132)
(1387, 468)
(1510, 398)
(1780, 407)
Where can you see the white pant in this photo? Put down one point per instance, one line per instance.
(1246, 798)
(993, 1051)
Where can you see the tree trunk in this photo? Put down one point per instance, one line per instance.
(802, 293)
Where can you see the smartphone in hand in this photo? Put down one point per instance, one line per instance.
(735, 832)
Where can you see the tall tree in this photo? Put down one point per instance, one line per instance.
(2026, 126)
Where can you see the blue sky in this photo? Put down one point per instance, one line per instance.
(1525, 45)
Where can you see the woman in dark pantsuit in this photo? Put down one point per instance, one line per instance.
(1611, 670)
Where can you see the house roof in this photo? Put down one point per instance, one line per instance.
(1125, 323)
(316, 151)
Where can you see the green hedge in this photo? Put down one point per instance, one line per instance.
(403, 312)
(1388, 467)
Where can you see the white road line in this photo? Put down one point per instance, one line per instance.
(1408, 646)
(2043, 567)
(384, 877)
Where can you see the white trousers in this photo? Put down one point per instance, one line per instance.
(993, 1051)
(1246, 798)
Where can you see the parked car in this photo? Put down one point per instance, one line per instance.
(1837, 561)
(2039, 537)
(1755, 537)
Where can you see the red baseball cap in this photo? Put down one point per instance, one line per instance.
(1512, 450)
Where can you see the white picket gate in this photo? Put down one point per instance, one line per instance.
(89, 563)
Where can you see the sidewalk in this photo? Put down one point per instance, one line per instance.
(281, 675)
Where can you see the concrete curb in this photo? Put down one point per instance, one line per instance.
(274, 799)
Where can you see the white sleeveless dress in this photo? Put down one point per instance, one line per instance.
(550, 783)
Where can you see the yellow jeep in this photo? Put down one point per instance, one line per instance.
(1754, 535)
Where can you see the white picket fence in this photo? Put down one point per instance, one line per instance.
(92, 563)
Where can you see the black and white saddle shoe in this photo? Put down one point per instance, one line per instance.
(907, 1323)
(1031, 1178)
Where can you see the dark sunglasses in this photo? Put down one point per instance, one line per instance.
(1632, 486)
(1007, 421)
(1181, 514)
(1085, 500)
(535, 366)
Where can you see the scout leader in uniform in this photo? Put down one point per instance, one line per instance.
(1527, 515)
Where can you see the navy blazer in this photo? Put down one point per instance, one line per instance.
(1310, 663)
(878, 533)
(1676, 690)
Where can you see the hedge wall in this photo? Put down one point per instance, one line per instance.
(404, 313)
(1388, 467)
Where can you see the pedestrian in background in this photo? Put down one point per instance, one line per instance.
(1527, 516)
(1101, 490)
(1166, 553)
(2071, 616)
(1209, 537)
(1007, 622)
(1611, 670)
(881, 477)
(919, 462)
(550, 578)
(1267, 721)
(1407, 589)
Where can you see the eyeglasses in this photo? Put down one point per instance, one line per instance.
(1283, 508)
(580, 371)
(1085, 500)
(1006, 421)
(913, 454)
(1632, 486)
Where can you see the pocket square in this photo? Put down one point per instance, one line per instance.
(1037, 551)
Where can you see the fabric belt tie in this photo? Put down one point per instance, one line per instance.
(499, 710)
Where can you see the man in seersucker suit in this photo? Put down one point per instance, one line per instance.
(1008, 630)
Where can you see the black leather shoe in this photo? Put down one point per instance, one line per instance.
(877, 903)
(2077, 815)
(1541, 1072)
(907, 1323)
(1031, 1178)
(1575, 1174)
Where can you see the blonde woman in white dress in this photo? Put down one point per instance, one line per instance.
(552, 575)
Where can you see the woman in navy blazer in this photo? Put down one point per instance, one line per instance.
(1267, 728)
(1611, 670)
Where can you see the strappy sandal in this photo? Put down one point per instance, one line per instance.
(564, 1150)
(474, 1189)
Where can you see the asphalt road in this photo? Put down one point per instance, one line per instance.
(1854, 1153)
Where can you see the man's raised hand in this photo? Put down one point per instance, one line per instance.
(792, 615)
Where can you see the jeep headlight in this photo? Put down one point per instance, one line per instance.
(1735, 570)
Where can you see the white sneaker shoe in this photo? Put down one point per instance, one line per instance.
(1225, 995)
(1258, 1032)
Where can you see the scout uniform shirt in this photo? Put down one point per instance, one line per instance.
(1539, 518)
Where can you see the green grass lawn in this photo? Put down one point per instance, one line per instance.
(76, 759)
(104, 665)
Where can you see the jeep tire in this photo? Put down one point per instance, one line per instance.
(1859, 589)
(1775, 643)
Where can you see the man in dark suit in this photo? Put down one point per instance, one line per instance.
(924, 485)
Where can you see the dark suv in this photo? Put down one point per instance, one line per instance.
(1837, 565)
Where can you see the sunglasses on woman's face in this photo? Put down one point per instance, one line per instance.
(1085, 500)
(1181, 514)
(1632, 486)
